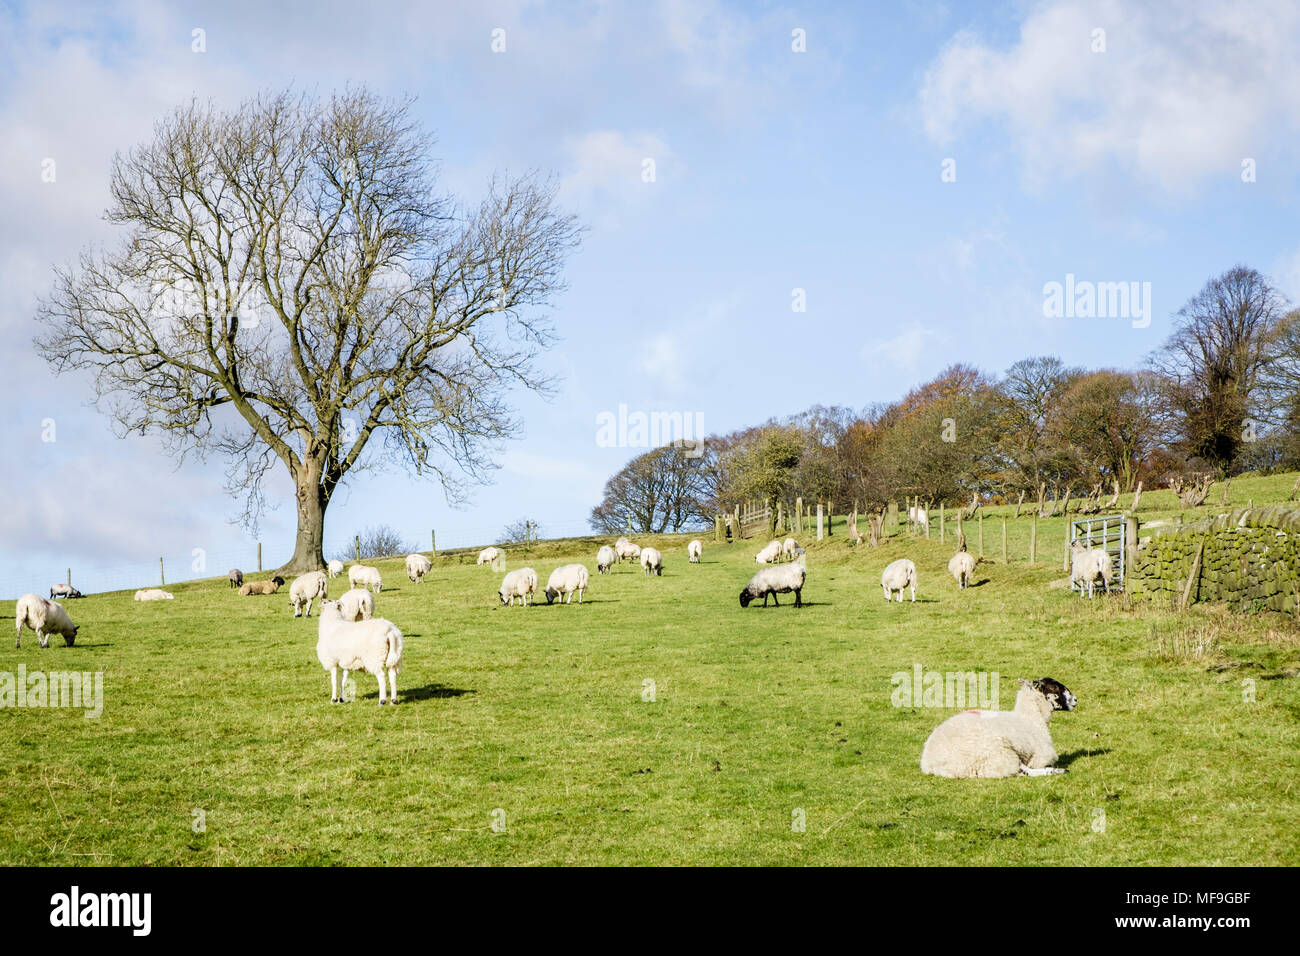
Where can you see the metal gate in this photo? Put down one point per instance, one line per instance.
(1103, 532)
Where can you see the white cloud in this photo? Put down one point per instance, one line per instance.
(608, 170)
(905, 350)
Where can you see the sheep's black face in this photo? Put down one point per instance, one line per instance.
(70, 639)
(745, 598)
(551, 595)
(1057, 694)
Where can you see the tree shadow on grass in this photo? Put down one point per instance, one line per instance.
(1065, 760)
(427, 692)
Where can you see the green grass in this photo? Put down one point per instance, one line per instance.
(217, 703)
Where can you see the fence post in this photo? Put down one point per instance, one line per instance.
(780, 517)
(979, 525)
(1069, 527)
(1033, 539)
(433, 543)
(798, 515)
(719, 533)
(1130, 546)
(830, 510)
(1004, 539)
(927, 519)
(69, 577)
(819, 521)
(162, 577)
(259, 557)
(893, 515)
(357, 542)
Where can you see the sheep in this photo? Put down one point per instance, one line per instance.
(306, 588)
(918, 514)
(626, 550)
(374, 646)
(64, 591)
(519, 583)
(694, 551)
(899, 575)
(605, 559)
(335, 568)
(364, 576)
(45, 618)
(153, 594)
(1087, 566)
(652, 562)
(962, 567)
(566, 580)
(774, 581)
(488, 556)
(262, 587)
(417, 566)
(236, 578)
(788, 547)
(357, 605)
(770, 554)
(999, 743)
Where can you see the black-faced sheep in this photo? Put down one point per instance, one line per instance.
(778, 580)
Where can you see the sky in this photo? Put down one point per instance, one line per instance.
(846, 199)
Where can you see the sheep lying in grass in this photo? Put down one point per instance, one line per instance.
(374, 646)
(153, 594)
(694, 551)
(774, 581)
(64, 591)
(1089, 567)
(788, 548)
(899, 575)
(364, 576)
(626, 550)
(652, 562)
(488, 555)
(962, 568)
(1000, 743)
(45, 618)
(307, 588)
(770, 554)
(605, 559)
(519, 583)
(357, 605)
(564, 581)
(417, 566)
(262, 587)
(335, 568)
(236, 578)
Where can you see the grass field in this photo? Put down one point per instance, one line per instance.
(524, 735)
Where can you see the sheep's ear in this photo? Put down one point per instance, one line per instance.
(1024, 683)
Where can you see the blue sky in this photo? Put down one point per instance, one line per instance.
(774, 170)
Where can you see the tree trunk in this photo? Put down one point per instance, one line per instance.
(308, 553)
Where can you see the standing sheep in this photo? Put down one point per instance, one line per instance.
(652, 562)
(519, 583)
(335, 568)
(770, 554)
(307, 588)
(774, 581)
(357, 605)
(788, 548)
(566, 580)
(364, 576)
(236, 578)
(626, 550)
(694, 551)
(605, 559)
(999, 743)
(898, 575)
(45, 618)
(417, 566)
(962, 567)
(1088, 567)
(374, 646)
(262, 587)
(488, 556)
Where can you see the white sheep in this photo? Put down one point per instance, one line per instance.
(1087, 567)
(519, 583)
(307, 588)
(962, 567)
(694, 551)
(626, 550)
(153, 594)
(605, 559)
(45, 617)
(652, 562)
(779, 580)
(1000, 743)
(374, 646)
(566, 580)
(335, 568)
(357, 605)
(417, 566)
(770, 554)
(364, 576)
(488, 556)
(788, 548)
(898, 575)
(918, 514)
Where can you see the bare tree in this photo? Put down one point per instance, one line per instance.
(291, 286)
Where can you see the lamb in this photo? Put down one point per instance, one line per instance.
(262, 587)
(417, 566)
(652, 562)
(770, 554)
(566, 580)
(694, 551)
(64, 591)
(626, 550)
(962, 567)
(364, 576)
(779, 580)
(488, 556)
(374, 646)
(999, 743)
(235, 577)
(357, 605)
(307, 588)
(45, 618)
(519, 583)
(153, 594)
(335, 568)
(898, 575)
(788, 547)
(1087, 566)
(605, 559)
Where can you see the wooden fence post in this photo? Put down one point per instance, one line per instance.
(259, 557)
(1130, 545)
(1004, 539)
(1069, 528)
(162, 577)
(830, 510)
(893, 515)
(433, 543)
(69, 577)
(819, 521)
(719, 532)
(1033, 539)
(979, 525)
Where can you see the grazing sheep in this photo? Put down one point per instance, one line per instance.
(357, 605)
(566, 580)
(774, 581)
(918, 515)
(694, 551)
(788, 547)
(64, 591)
(417, 566)
(962, 567)
(605, 559)
(519, 583)
(770, 554)
(335, 568)
(262, 587)
(235, 577)
(899, 575)
(652, 562)
(364, 576)
(374, 646)
(45, 618)
(488, 555)
(307, 588)
(1000, 743)
(1087, 567)
(626, 550)
(153, 594)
